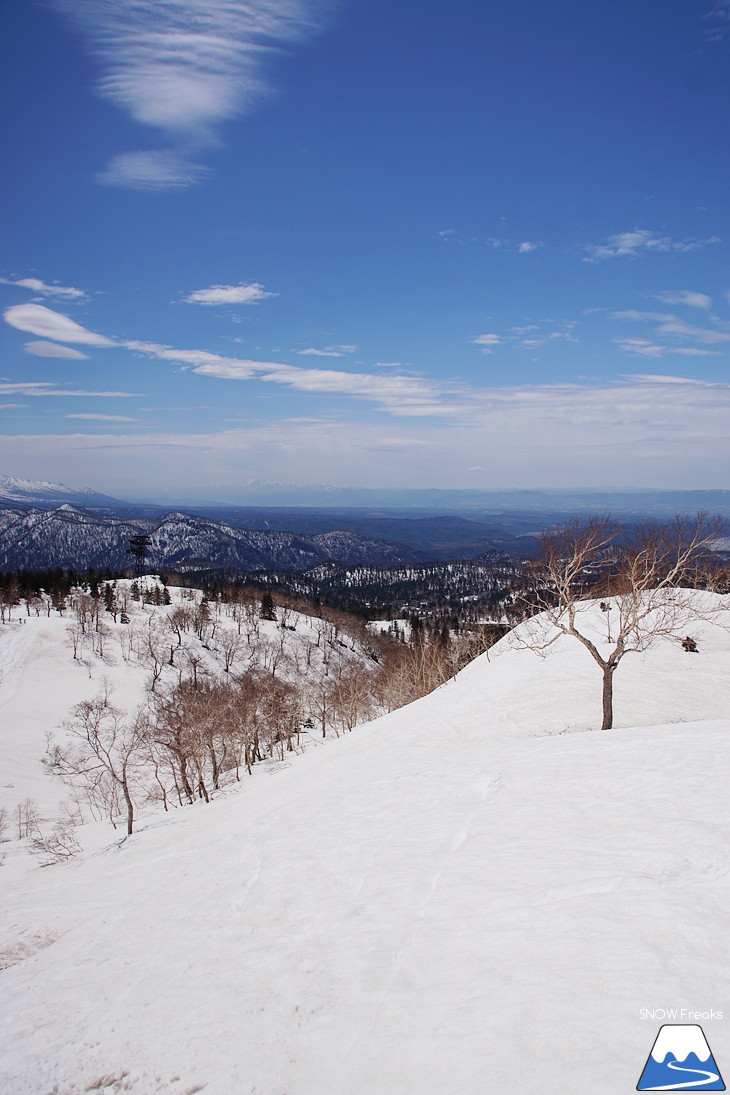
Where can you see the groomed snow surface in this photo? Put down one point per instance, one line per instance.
(475, 894)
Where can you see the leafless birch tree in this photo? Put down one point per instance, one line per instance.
(645, 572)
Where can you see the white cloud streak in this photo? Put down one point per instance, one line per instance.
(45, 388)
(522, 248)
(53, 349)
(153, 171)
(36, 319)
(328, 351)
(487, 342)
(688, 297)
(648, 430)
(718, 18)
(103, 417)
(641, 241)
(516, 336)
(398, 395)
(671, 327)
(183, 68)
(686, 330)
(63, 292)
(245, 293)
(642, 347)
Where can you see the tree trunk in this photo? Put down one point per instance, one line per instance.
(608, 697)
(184, 779)
(130, 807)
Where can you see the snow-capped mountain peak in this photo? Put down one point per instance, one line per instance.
(680, 1041)
(29, 492)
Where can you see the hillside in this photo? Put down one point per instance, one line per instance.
(49, 662)
(471, 894)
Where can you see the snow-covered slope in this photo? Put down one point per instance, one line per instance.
(44, 672)
(463, 896)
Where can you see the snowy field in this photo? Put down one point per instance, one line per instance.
(478, 893)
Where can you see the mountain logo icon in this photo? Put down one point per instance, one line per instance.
(680, 1060)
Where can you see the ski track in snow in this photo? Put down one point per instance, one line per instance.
(711, 1077)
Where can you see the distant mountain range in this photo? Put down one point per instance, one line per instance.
(258, 496)
(67, 537)
(28, 493)
(45, 524)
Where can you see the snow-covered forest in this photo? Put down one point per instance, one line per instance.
(164, 696)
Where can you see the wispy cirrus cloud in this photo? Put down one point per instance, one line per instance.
(524, 247)
(399, 395)
(54, 349)
(103, 417)
(641, 241)
(248, 292)
(63, 292)
(718, 21)
(528, 337)
(45, 388)
(643, 347)
(487, 342)
(687, 297)
(661, 378)
(396, 394)
(328, 351)
(183, 68)
(519, 247)
(671, 328)
(677, 327)
(653, 429)
(152, 171)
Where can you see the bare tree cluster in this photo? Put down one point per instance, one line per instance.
(230, 684)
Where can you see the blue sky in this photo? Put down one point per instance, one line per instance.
(407, 243)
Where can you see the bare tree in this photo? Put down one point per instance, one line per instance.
(86, 610)
(27, 818)
(9, 596)
(155, 652)
(179, 621)
(351, 697)
(229, 647)
(645, 572)
(76, 637)
(60, 845)
(102, 754)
